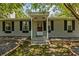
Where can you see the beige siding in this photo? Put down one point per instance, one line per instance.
(59, 30)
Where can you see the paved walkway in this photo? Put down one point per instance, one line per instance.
(8, 43)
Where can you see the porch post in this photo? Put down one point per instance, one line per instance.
(31, 29)
(47, 27)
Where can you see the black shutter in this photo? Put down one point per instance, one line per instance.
(73, 24)
(12, 26)
(20, 25)
(44, 25)
(52, 25)
(65, 24)
(3, 26)
(29, 25)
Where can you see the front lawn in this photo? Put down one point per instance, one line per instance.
(26, 49)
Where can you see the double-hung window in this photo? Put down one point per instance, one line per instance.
(24, 26)
(8, 26)
(69, 25)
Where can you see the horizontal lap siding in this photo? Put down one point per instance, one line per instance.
(60, 32)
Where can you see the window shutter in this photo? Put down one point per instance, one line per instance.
(52, 25)
(65, 24)
(73, 24)
(20, 25)
(12, 26)
(44, 25)
(3, 26)
(29, 25)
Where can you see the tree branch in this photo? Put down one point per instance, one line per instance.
(71, 9)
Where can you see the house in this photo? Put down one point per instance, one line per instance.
(40, 27)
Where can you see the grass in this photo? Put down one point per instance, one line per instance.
(26, 49)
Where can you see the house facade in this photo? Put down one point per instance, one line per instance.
(40, 27)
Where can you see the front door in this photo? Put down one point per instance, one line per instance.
(39, 28)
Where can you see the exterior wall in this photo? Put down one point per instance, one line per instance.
(59, 30)
(16, 31)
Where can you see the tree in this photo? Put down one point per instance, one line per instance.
(6, 8)
(73, 9)
(66, 8)
(44, 7)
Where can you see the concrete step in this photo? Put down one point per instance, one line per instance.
(38, 40)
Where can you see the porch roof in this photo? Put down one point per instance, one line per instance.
(38, 13)
(38, 16)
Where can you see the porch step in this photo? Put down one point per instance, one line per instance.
(39, 40)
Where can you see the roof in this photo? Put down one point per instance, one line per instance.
(32, 14)
(61, 18)
(14, 19)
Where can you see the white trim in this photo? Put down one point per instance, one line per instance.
(47, 28)
(31, 29)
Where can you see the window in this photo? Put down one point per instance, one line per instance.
(69, 25)
(8, 26)
(24, 26)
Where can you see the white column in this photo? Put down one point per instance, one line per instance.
(31, 29)
(47, 28)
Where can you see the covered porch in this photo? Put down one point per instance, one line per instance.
(39, 27)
